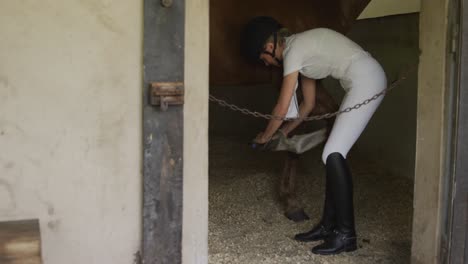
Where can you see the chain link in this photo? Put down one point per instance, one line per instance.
(246, 111)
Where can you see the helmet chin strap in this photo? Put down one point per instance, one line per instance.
(273, 54)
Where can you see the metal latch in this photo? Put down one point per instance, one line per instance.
(166, 93)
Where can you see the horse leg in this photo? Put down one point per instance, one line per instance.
(287, 190)
(288, 193)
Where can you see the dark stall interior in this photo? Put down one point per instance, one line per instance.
(247, 221)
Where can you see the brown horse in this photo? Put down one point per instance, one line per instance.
(287, 184)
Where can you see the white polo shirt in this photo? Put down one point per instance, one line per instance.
(318, 53)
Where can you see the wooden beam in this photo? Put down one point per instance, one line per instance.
(164, 45)
(20, 242)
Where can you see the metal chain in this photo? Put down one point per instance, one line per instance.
(246, 111)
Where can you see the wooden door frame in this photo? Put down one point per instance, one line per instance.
(175, 142)
(195, 209)
(163, 60)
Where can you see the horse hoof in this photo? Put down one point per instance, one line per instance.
(297, 216)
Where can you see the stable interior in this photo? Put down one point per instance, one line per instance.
(247, 222)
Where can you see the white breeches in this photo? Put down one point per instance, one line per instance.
(365, 79)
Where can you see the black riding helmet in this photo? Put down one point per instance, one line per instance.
(255, 34)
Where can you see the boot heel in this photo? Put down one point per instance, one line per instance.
(350, 245)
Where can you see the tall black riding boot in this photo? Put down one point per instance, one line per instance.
(343, 238)
(325, 227)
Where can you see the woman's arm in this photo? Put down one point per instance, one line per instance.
(281, 108)
(308, 90)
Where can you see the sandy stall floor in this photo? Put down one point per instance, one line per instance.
(247, 225)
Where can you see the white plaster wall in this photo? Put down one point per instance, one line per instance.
(380, 8)
(70, 125)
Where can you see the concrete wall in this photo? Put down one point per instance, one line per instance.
(70, 125)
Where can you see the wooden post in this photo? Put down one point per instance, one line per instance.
(164, 45)
(20, 242)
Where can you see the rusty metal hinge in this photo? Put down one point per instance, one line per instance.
(164, 94)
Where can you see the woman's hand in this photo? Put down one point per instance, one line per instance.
(308, 90)
(261, 139)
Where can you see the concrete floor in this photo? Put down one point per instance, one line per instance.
(247, 225)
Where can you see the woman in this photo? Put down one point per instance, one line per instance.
(316, 54)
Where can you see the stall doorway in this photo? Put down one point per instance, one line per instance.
(247, 221)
